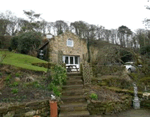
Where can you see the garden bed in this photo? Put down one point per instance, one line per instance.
(18, 86)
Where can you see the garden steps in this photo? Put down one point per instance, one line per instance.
(75, 114)
(73, 99)
(74, 82)
(69, 87)
(72, 92)
(73, 107)
(74, 102)
(75, 77)
(74, 74)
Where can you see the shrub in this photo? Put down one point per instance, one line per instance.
(56, 91)
(15, 84)
(14, 42)
(59, 76)
(14, 91)
(8, 77)
(50, 86)
(93, 96)
(145, 50)
(26, 42)
(17, 74)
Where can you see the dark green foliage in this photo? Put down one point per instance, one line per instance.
(145, 50)
(125, 55)
(14, 42)
(29, 41)
(26, 42)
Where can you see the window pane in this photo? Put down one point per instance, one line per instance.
(70, 42)
(66, 60)
(71, 60)
(76, 60)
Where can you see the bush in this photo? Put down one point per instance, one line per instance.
(93, 96)
(14, 42)
(145, 50)
(15, 84)
(59, 76)
(5, 42)
(14, 91)
(8, 77)
(26, 42)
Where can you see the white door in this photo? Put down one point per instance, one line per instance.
(72, 60)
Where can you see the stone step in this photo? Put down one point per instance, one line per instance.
(75, 77)
(73, 92)
(75, 114)
(73, 107)
(74, 81)
(72, 99)
(69, 87)
(74, 74)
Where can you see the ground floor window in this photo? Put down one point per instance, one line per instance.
(71, 60)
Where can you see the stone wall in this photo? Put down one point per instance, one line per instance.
(29, 109)
(59, 43)
(109, 107)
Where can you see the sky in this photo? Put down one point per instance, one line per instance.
(108, 13)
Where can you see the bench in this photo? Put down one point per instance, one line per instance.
(71, 67)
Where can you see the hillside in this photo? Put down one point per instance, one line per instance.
(22, 61)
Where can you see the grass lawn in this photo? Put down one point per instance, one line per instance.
(22, 61)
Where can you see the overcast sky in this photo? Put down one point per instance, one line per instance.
(108, 13)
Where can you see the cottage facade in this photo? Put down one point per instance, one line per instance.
(67, 48)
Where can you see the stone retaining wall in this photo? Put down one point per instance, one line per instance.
(29, 109)
(109, 107)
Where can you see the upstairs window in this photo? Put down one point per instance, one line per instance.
(70, 42)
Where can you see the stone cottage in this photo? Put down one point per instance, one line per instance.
(67, 48)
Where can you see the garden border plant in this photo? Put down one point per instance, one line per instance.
(58, 76)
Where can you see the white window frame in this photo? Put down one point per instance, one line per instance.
(72, 43)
